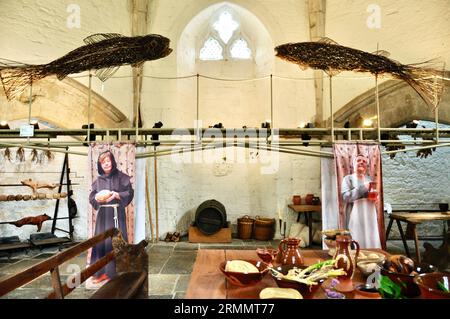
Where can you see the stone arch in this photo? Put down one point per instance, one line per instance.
(64, 104)
(399, 104)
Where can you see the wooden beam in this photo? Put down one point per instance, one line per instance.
(139, 24)
(316, 10)
(20, 279)
(84, 275)
(56, 283)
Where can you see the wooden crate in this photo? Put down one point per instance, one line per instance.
(222, 236)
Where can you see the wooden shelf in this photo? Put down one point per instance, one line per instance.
(306, 208)
(50, 241)
(20, 245)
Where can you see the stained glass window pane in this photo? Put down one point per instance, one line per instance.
(225, 26)
(240, 50)
(212, 50)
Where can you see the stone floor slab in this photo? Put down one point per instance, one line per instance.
(179, 295)
(183, 282)
(27, 293)
(156, 262)
(20, 266)
(162, 284)
(160, 297)
(180, 263)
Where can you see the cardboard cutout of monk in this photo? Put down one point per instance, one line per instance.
(111, 198)
(358, 171)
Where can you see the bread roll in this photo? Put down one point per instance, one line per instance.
(280, 293)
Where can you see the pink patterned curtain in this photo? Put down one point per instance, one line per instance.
(345, 158)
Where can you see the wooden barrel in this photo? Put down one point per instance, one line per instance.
(210, 217)
(245, 227)
(264, 228)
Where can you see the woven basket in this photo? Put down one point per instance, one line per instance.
(264, 228)
(245, 227)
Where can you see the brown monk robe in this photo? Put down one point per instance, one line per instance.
(31, 220)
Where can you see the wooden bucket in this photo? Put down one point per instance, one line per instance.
(264, 228)
(245, 227)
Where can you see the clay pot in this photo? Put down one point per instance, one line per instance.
(309, 199)
(296, 199)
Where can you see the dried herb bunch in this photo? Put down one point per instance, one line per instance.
(20, 154)
(49, 155)
(34, 156)
(7, 154)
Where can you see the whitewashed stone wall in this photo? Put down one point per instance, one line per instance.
(411, 182)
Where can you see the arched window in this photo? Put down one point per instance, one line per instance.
(225, 39)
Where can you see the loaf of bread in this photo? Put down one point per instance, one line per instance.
(241, 266)
(103, 195)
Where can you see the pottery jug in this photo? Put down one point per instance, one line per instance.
(296, 200)
(343, 256)
(290, 255)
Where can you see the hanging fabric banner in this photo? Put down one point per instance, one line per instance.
(360, 192)
(112, 170)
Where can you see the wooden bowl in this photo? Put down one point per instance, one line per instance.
(245, 279)
(428, 285)
(307, 291)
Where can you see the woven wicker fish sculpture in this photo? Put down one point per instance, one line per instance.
(332, 58)
(103, 52)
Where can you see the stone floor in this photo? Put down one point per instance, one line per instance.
(170, 267)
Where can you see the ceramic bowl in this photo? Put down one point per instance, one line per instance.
(366, 292)
(307, 291)
(410, 288)
(332, 233)
(267, 255)
(245, 279)
(368, 267)
(428, 285)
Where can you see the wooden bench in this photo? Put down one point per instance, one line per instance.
(131, 266)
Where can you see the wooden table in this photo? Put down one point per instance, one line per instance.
(412, 220)
(208, 282)
(307, 210)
